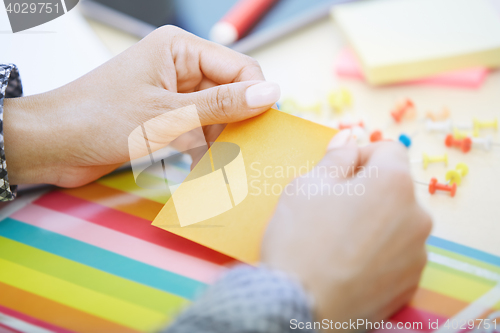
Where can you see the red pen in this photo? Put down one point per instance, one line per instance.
(240, 18)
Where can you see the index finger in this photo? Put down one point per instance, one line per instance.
(218, 63)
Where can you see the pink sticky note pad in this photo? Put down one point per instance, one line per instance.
(348, 66)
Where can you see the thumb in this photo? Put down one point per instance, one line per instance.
(233, 102)
(342, 156)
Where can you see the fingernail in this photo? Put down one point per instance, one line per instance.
(262, 94)
(340, 139)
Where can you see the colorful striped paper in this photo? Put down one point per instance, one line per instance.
(88, 260)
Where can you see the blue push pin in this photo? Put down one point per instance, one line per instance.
(405, 140)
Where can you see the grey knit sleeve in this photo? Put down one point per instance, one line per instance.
(10, 87)
(247, 300)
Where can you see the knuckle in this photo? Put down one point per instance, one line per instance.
(422, 261)
(420, 224)
(165, 34)
(168, 30)
(220, 106)
(426, 225)
(252, 62)
(252, 66)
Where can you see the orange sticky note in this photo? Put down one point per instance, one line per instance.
(218, 208)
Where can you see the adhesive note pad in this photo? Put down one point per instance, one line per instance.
(399, 40)
(346, 65)
(232, 192)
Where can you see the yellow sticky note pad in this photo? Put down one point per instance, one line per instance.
(405, 40)
(269, 151)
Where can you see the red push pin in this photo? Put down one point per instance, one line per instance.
(343, 126)
(434, 185)
(376, 136)
(464, 144)
(404, 108)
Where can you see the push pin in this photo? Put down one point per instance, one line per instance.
(455, 176)
(458, 134)
(434, 186)
(438, 116)
(405, 108)
(438, 126)
(343, 126)
(340, 100)
(485, 143)
(314, 108)
(405, 140)
(426, 159)
(289, 106)
(464, 144)
(478, 125)
(376, 136)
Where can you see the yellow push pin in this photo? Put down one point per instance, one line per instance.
(340, 100)
(289, 106)
(315, 108)
(426, 159)
(458, 134)
(455, 176)
(484, 124)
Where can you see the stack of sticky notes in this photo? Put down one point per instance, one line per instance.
(347, 66)
(400, 40)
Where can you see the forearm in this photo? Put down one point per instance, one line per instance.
(245, 300)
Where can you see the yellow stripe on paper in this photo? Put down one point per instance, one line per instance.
(125, 182)
(83, 299)
(448, 283)
(89, 277)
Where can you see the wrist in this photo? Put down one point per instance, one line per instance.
(27, 141)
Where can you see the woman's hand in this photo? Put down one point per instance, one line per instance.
(77, 133)
(359, 253)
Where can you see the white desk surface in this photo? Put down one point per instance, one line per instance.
(302, 63)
